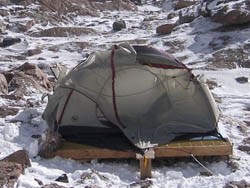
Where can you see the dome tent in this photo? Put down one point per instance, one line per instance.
(146, 94)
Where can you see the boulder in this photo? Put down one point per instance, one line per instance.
(237, 184)
(110, 5)
(34, 71)
(63, 178)
(245, 64)
(10, 41)
(228, 58)
(137, 2)
(242, 80)
(3, 12)
(247, 140)
(22, 2)
(64, 32)
(3, 85)
(233, 165)
(172, 15)
(4, 2)
(187, 15)
(187, 18)
(27, 79)
(211, 84)
(244, 148)
(119, 25)
(35, 51)
(63, 7)
(20, 157)
(9, 173)
(166, 28)
(53, 185)
(23, 27)
(183, 4)
(6, 111)
(231, 13)
(12, 166)
(8, 76)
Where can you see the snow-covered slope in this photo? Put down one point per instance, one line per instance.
(213, 49)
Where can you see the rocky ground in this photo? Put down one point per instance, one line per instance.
(211, 37)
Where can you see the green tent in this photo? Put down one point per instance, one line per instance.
(146, 94)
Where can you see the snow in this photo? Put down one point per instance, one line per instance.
(16, 131)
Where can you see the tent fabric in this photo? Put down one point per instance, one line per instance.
(147, 94)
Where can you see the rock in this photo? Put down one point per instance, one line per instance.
(4, 12)
(63, 7)
(247, 124)
(8, 76)
(24, 85)
(10, 41)
(188, 15)
(186, 18)
(50, 145)
(119, 25)
(245, 64)
(3, 85)
(244, 148)
(53, 185)
(165, 29)
(20, 157)
(137, 2)
(38, 181)
(176, 45)
(32, 52)
(229, 13)
(9, 173)
(183, 4)
(219, 42)
(234, 166)
(242, 80)
(227, 58)
(22, 2)
(237, 184)
(64, 32)
(142, 183)
(206, 173)
(6, 111)
(37, 73)
(11, 97)
(172, 15)
(109, 5)
(242, 128)
(211, 84)
(70, 46)
(41, 58)
(247, 140)
(4, 2)
(12, 166)
(63, 178)
(23, 27)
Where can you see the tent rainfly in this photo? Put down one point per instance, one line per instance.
(144, 93)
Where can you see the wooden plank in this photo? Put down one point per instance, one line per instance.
(197, 148)
(174, 149)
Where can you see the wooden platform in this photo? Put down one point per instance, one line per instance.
(175, 149)
(184, 148)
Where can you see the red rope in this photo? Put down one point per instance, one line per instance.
(113, 86)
